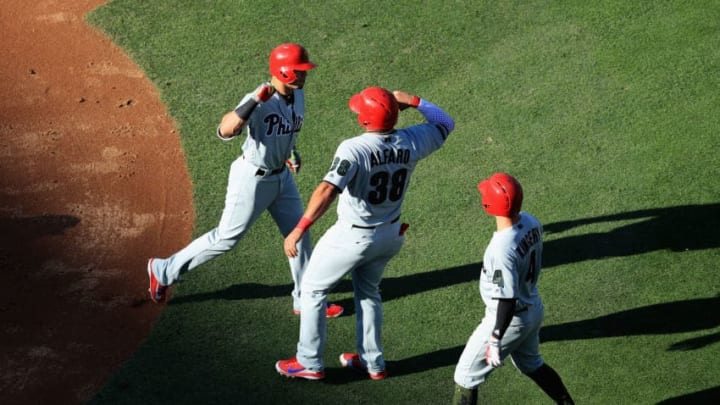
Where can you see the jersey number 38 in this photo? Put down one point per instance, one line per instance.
(387, 186)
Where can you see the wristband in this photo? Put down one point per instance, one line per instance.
(415, 102)
(246, 109)
(304, 224)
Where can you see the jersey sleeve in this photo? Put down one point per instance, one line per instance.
(424, 138)
(501, 276)
(343, 167)
(437, 116)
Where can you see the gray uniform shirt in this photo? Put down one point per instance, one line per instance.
(273, 129)
(511, 264)
(374, 172)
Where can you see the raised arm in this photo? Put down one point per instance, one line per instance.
(432, 113)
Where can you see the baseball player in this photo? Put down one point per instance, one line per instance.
(273, 114)
(371, 173)
(513, 308)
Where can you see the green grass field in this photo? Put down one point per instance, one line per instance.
(609, 114)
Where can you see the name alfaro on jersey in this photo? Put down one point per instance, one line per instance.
(386, 156)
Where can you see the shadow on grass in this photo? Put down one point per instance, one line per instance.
(678, 229)
(424, 362)
(392, 287)
(708, 396)
(681, 228)
(666, 318)
(397, 368)
(660, 319)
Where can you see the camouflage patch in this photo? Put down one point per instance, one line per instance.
(343, 168)
(498, 278)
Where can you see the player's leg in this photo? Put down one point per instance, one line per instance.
(334, 256)
(551, 383)
(465, 396)
(245, 200)
(286, 210)
(471, 369)
(526, 357)
(366, 280)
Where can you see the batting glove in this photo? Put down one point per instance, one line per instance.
(492, 353)
(294, 162)
(263, 92)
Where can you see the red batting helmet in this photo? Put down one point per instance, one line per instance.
(285, 59)
(376, 108)
(502, 195)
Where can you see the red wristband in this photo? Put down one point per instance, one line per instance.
(304, 224)
(415, 102)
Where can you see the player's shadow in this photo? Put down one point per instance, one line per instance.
(16, 232)
(659, 319)
(423, 362)
(678, 229)
(666, 318)
(392, 287)
(708, 396)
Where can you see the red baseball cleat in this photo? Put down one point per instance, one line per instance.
(157, 290)
(331, 311)
(291, 368)
(353, 362)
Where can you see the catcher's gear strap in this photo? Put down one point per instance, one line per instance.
(436, 115)
(505, 313)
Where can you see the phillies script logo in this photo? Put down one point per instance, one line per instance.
(279, 126)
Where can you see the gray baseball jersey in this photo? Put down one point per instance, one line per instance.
(258, 181)
(273, 129)
(373, 171)
(511, 266)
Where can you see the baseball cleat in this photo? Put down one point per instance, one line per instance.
(353, 362)
(157, 290)
(292, 368)
(331, 311)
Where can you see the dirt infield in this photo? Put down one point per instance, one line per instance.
(92, 182)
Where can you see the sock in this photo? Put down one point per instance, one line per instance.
(464, 396)
(550, 382)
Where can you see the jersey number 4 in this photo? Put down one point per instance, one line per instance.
(387, 186)
(532, 275)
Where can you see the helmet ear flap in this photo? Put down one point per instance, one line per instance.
(288, 74)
